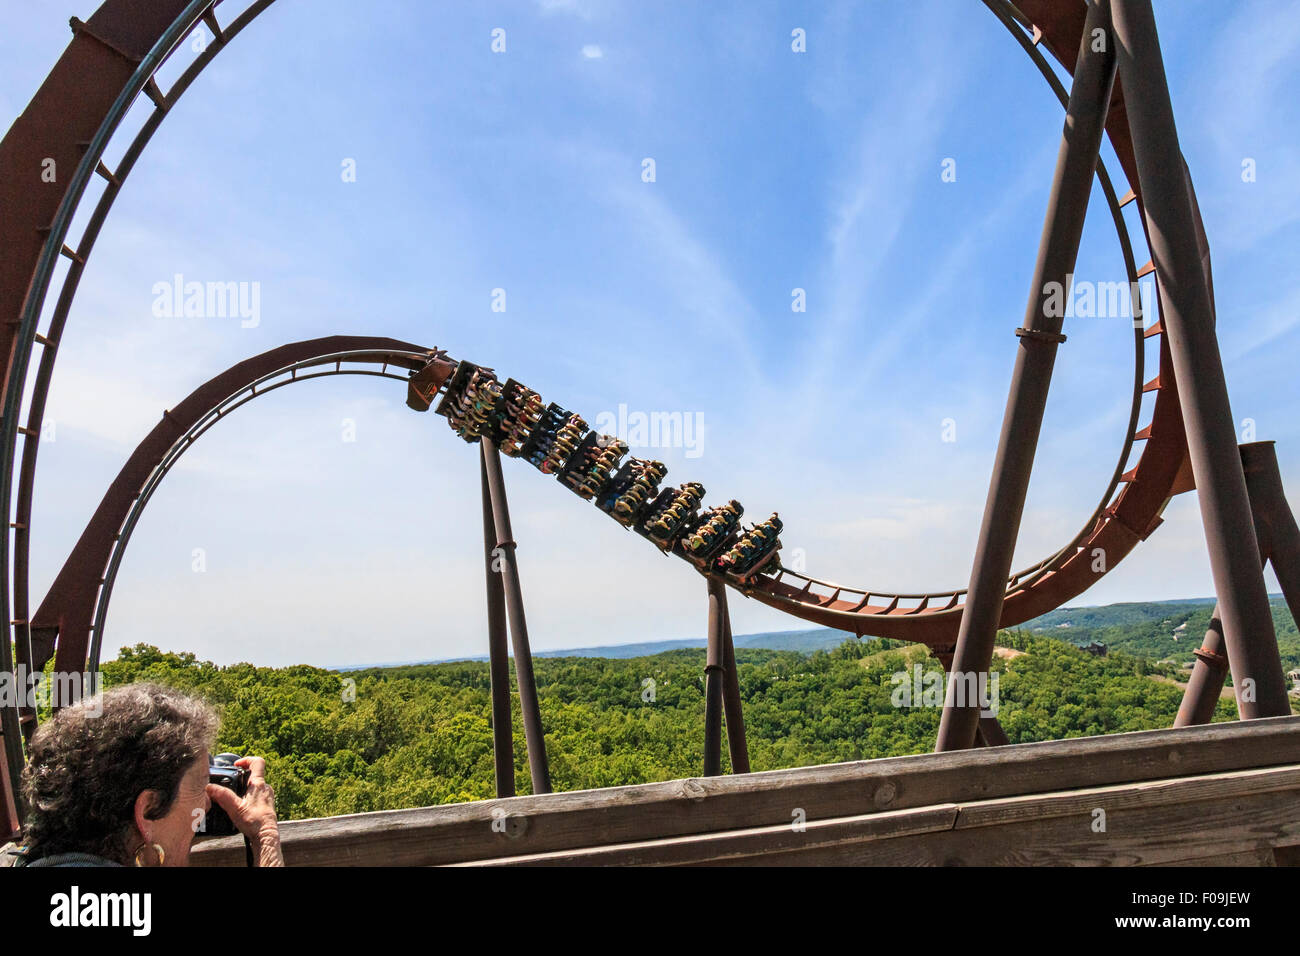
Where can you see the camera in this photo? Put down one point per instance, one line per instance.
(223, 772)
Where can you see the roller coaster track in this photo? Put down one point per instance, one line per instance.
(77, 602)
(113, 60)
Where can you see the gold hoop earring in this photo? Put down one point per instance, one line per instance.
(157, 848)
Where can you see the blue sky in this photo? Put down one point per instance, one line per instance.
(522, 171)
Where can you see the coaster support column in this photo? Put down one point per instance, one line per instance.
(506, 557)
(731, 696)
(1085, 120)
(1186, 311)
(713, 679)
(1279, 543)
(503, 751)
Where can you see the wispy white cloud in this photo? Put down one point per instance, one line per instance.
(709, 300)
(896, 142)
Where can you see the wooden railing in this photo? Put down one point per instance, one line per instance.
(1221, 794)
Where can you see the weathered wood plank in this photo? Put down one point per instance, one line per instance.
(746, 845)
(538, 824)
(1159, 822)
(1082, 803)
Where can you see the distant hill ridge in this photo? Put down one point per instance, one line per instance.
(823, 638)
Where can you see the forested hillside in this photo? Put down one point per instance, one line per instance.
(1172, 630)
(344, 742)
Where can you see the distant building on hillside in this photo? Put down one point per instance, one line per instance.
(1096, 648)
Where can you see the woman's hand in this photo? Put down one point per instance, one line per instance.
(254, 813)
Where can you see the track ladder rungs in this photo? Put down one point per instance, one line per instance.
(152, 90)
(106, 173)
(210, 19)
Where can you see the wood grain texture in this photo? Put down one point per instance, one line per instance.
(747, 845)
(988, 785)
(1161, 822)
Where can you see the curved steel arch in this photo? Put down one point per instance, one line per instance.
(270, 382)
(113, 182)
(111, 60)
(71, 616)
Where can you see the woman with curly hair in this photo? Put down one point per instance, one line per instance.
(122, 779)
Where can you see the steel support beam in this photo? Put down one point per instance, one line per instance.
(732, 705)
(1279, 544)
(713, 678)
(1186, 311)
(1076, 164)
(503, 750)
(505, 547)
(990, 730)
(1275, 524)
(1206, 681)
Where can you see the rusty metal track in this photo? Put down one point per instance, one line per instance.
(326, 365)
(49, 340)
(70, 120)
(75, 607)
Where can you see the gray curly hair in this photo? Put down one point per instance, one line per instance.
(92, 760)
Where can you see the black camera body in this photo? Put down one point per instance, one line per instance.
(223, 772)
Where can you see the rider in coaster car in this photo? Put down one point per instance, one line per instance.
(670, 514)
(691, 493)
(627, 503)
(718, 520)
(607, 460)
(703, 537)
(732, 510)
(687, 498)
(632, 499)
(770, 528)
(680, 506)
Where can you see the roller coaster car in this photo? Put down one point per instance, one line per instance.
(522, 411)
(564, 444)
(713, 529)
(671, 513)
(635, 484)
(747, 556)
(479, 406)
(423, 386)
(588, 470)
(472, 402)
(456, 386)
(541, 435)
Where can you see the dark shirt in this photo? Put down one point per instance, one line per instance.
(13, 855)
(72, 859)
